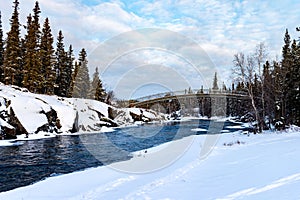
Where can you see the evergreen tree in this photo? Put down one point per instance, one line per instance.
(67, 72)
(38, 77)
(28, 80)
(292, 82)
(268, 93)
(74, 75)
(1, 51)
(82, 82)
(215, 82)
(285, 68)
(296, 87)
(278, 90)
(22, 61)
(47, 60)
(60, 65)
(232, 87)
(96, 90)
(12, 53)
(33, 78)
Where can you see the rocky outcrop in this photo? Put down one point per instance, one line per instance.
(14, 121)
(22, 112)
(132, 115)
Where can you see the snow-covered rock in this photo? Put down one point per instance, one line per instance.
(22, 112)
(133, 115)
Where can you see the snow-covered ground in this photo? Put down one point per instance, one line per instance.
(264, 166)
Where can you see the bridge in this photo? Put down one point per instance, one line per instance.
(194, 101)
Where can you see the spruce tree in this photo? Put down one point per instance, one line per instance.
(278, 90)
(67, 72)
(285, 68)
(12, 53)
(292, 83)
(29, 54)
(215, 82)
(97, 91)
(47, 60)
(296, 78)
(33, 78)
(36, 70)
(269, 94)
(82, 82)
(74, 75)
(1, 51)
(60, 64)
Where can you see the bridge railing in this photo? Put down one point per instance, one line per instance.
(187, 92)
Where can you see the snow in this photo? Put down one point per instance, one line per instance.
(4, 123)
(33, 111)
(125, 119)
(235, 127)
(37, 136)
(65, 111)
(5, 143)
(261, 166)
(105, 129)
(28, 111)
(198, 129)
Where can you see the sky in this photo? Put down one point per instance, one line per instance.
(164, 37)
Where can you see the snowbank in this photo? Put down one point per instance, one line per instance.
(35, 116)
(262, 166)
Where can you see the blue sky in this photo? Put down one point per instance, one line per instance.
(221, 28)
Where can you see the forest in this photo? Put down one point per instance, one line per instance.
(33, 62)
(273, 87)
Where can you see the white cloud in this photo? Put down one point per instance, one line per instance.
(221, 28)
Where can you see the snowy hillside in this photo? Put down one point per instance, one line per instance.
(35, 116)
(264, 166)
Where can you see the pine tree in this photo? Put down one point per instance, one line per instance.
(278, 90)
(96, 90)
(47, 60)
(82, 82)
(285, 68)
(215, 82)
(67, 72)
(74, 75)
(33, 78)
(1, 51)
(292, 83)
(28, 80)
(60, 65)
(269, 97)
(296, 86)
(12, 53)
(38, 77)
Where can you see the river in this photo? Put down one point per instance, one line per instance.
(36, 160)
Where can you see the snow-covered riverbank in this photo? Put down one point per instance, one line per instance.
(41, 116)
(264, 166)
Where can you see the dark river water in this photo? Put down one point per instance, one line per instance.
(38, 159)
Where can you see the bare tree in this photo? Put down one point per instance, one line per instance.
(260, 57)
(244, 70)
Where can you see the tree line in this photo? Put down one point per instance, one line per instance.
(273, 87)
(34, 63)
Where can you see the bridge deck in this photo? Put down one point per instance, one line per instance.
(183, 94)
